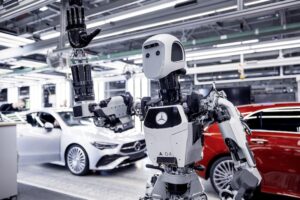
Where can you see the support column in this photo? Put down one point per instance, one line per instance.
(240, 5)
(63, 8)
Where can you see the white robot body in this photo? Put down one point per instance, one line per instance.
(162, 54)
(170, 138)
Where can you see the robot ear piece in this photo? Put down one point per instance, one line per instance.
(177, 52)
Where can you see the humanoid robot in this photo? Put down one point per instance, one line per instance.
(173, 124)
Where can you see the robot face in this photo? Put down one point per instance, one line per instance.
(162, 54)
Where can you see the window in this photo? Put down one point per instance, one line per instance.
(70, 120)
(33, 120)
(115, 88)
(276, 120)
(255, 122)
(3, 95)
(46, 117)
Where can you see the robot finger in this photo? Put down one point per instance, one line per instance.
(82, 16)
(77, 16)
(69, 21)
(73, 16)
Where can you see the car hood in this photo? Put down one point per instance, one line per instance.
(107, 135)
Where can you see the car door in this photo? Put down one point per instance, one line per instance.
(37, 144)
(275, 141)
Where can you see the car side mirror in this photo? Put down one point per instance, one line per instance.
(48, 126)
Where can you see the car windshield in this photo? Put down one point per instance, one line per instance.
(70, 120)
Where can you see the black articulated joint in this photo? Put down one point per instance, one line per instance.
(170, 88)
(128, 101)
(234, 149)
(221, 115)
(155, 167)
(144, 106)
(104, 103)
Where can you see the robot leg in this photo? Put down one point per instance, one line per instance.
(175, 187)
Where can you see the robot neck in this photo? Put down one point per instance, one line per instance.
(170, 89)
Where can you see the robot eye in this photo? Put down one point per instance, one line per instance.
(148, 55)
(157, 53)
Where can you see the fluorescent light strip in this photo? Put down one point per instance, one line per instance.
(7, 43)
(49, 35)
(129, 15)
(5, 71)
(243, 50)
(43, 8)
(28, 63)
(16, 38)
(13, 41)
(237, 43)
(256, 2)
(136, 13)
(155, 24)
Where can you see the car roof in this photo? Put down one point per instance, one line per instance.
(245, 109)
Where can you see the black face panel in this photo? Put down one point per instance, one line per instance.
(177, 53)
(174, 118)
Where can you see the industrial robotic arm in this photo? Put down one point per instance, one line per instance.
(246, 178)
(81, 70)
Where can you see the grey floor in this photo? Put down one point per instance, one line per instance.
(126, 183)
(27, 192)
(121, 184)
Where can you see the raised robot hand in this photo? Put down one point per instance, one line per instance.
(76, 27)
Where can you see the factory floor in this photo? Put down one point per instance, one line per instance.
(126, 183)
(54, 182)
(28, 192)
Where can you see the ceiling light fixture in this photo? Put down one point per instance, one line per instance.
(28, 63)
(49, 35)
(131, 14)
(256, 2)
(8, 40)
(149, 10)
(42, 9)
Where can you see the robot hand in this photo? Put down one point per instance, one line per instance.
(242, 186)
(78, 36)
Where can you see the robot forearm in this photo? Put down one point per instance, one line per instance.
(247, 177)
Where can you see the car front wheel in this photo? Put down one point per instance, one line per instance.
(77, 160)
(221, 173)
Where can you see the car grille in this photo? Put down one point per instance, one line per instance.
(133, 147)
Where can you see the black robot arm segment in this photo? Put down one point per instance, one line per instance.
(81, 70)
(114, 113)
(170, 88)
(76, 27)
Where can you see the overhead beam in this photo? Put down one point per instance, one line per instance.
(22, 8)
(272, 7)
(247, 65)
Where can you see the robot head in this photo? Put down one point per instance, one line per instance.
(162, 54)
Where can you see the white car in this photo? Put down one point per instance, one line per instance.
(56, 136)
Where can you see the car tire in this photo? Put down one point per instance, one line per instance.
(77, 160)
(221, 173)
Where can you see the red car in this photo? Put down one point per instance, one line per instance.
(275, 141)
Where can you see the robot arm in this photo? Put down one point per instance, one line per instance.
(247, 178)
(81, 70)
(114, 113)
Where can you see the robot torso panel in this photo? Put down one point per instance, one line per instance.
(170, 138)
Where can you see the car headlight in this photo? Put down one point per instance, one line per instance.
(104, 145)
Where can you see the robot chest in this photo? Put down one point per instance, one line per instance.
(165, 117)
